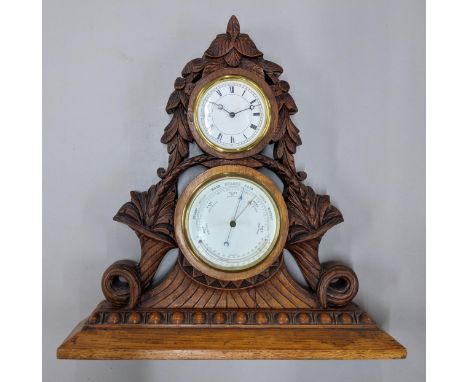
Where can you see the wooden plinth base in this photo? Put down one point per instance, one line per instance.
(142, 342)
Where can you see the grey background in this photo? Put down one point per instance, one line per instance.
(357, 73)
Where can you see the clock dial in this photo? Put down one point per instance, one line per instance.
(232, 223)
(232, 113)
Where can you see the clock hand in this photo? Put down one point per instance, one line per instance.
(251, 107)
(221, 107)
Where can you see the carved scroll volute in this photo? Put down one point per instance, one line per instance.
(337, 286)
(150, 214)
(310, 216)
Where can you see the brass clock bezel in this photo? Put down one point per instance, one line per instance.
(271, 113)
(181, 228)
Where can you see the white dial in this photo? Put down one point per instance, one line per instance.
(232, 113)
(232, 223)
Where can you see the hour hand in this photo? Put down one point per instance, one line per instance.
(220, 107)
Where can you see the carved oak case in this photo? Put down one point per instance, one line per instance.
(188, 297)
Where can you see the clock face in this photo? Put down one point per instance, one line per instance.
(232, 223)
(232, 113)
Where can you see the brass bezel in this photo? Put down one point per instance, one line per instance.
(202, 186)
(180, 224)
(248, 82)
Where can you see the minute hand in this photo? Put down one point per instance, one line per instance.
(251, 107)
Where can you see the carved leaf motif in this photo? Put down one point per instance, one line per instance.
(311, 215)
(233, 58)
(177, 137)
(272, 71)
(252, 66)
(287, 139)
(173, 101)
(194, 66)
(271, 67)
(150, 213)
(246, 46)
(188, 90)
(233, 27)
(298, 217)
(220, 46)
(213, 66)
(286, 101)
(292, 137)
(232, 45)
(177, 126)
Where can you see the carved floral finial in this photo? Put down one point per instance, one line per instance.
(233, 27)
(233, 45)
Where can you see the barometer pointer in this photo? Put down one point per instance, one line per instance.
(240, 213)
(232, 223)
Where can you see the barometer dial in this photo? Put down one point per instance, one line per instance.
(231, 219)
(232, 223)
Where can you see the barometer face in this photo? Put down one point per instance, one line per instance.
(232, 113)
(231, 222)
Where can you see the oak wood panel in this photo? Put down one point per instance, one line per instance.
(229, 343)
(180, 290)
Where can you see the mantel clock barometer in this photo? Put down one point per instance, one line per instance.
(230, 295)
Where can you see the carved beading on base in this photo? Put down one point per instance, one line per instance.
(225, 317)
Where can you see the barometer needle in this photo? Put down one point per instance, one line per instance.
(238, 204)
(232, 223)
(248, 204)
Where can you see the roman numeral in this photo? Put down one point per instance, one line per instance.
(256, 114)
(220, 136)
(217, 91)
(245, 136)
(232, 139)
(252, 126)
(231, 89)
(243, 92)
(251, 102)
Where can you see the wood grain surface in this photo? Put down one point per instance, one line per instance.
(230, 343)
